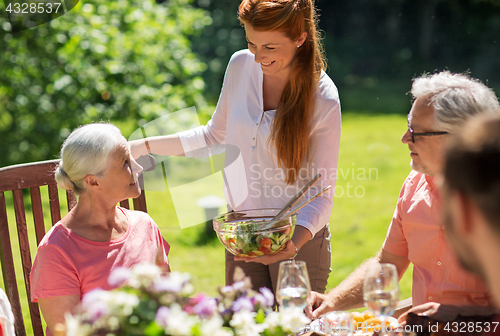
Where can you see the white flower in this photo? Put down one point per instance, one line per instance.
(75, 328)
(177, 321)
(188, 289)
(144, 274)
(104, 309)
(179, 277)
(292, 319)
(242, 318)
(222, 332)
(244, 323)
(272, 320)
(124, 303)
(212, 326)
(165, 284)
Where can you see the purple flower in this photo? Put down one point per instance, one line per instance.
(161, 316)
(268, 295)
(94, 303)
(259, 299)
(98, 310)
(205, 307)
(119, 276)
(242, 303)
(226, 311)
(226, 289)
(238, 286)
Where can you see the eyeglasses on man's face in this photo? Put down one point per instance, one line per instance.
(414, 134)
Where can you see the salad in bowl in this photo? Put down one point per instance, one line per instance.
(252, 233)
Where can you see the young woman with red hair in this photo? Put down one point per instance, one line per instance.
(282, 111)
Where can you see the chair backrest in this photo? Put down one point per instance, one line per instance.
(31, 176)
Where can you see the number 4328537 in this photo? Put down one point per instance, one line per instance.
(32, 8)
(471, 327)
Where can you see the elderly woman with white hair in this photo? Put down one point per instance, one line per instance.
(95, 237)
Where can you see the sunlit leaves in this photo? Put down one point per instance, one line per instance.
(104, 60)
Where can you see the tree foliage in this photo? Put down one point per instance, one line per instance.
(378, 40)
(103, 60)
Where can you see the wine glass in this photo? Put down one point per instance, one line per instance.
(293, 286)
(381, 291)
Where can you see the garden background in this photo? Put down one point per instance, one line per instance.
(131, 62)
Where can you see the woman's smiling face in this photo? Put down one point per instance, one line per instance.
(273, 50)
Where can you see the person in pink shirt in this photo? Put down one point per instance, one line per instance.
(471, 193)
(95, 237)
(441, 289)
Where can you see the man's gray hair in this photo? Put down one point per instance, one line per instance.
(86, 152)
(455, 97)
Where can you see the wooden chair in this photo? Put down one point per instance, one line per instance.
(31, 176)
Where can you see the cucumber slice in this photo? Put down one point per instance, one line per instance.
(275, 247)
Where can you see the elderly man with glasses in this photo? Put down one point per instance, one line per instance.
(441, 289)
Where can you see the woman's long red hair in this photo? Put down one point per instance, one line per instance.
(292, 124)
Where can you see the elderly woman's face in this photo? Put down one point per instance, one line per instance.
(120, 179)
(273, 50)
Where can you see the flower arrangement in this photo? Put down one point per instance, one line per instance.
(148, 302)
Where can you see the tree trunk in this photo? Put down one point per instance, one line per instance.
(427, 28)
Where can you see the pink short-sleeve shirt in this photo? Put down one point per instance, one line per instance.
(417, 232)
(67, 264)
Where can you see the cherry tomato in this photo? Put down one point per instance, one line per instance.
(265, 250)
(266, 242)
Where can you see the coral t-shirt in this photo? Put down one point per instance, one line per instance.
(67, 264)
(417, 232)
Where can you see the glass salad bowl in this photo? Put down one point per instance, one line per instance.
(251, 233)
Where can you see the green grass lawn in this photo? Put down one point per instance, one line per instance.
(373, 164)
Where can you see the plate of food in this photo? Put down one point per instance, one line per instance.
(366, 323)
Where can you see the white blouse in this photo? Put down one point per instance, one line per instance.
(241, 127)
